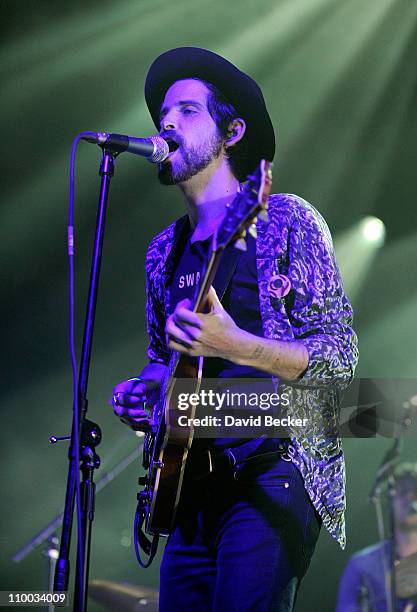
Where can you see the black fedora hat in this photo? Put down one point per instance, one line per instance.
(239, 88)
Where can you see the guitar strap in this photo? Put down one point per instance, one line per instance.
(226, 270)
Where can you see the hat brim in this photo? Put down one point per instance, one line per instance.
(239, 88)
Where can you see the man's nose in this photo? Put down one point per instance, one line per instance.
(168, 123)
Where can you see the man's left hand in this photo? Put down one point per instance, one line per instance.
(213, 334)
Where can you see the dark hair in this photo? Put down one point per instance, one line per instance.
(223, 113)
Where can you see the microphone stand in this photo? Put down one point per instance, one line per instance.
(89, 432)
(385, 474)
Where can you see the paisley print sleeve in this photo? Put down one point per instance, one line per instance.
(320, 313)
(158, 351)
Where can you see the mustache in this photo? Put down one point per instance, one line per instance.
(170, 135)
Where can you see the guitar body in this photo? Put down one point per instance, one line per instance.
(166, 452)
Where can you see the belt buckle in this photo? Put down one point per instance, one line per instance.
(288, 453)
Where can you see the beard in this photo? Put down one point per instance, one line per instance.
(193, 160)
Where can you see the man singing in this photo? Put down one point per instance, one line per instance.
(245, 533)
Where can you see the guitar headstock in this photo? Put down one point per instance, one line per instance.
(247, 206)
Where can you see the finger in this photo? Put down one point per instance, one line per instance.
(132, 387)
(178, 334)
(125, 399)
(131, 419)
(186, 303)
(184, 333)
(128, 401)
(130, 413)
(128, 392)
(213, 301)
(137, 424)
(183, 349)
(183, 315)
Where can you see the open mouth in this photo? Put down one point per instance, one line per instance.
(173, 146)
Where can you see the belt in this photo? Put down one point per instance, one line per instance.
(211, 460)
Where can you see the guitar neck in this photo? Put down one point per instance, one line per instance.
(242, 211)
(210, 273)
(199, 302)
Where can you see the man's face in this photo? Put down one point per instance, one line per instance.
(185, 119)
(405, 504)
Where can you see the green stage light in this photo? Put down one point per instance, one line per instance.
(373, 230)
(356, 249)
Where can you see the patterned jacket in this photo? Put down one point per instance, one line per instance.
(297, 243)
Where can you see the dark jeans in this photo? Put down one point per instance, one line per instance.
(244, 540)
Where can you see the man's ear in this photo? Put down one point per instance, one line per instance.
(235, 131)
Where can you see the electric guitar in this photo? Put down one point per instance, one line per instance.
(166, 446)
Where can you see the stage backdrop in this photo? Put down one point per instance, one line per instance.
(340, 82)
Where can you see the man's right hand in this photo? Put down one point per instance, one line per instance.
(130, 396)
(129, 399)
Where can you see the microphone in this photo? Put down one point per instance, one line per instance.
(154, 148)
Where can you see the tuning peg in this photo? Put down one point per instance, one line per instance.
(263, 216)
(241, 244)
